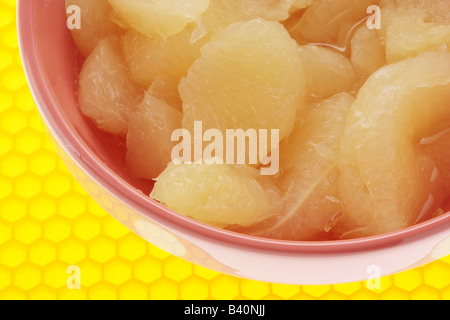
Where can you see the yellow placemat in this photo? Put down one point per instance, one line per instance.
(48, 223)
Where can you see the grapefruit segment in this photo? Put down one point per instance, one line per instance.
(159, 17)
(222, 13)
(166, 88)
(387, 179)
(437, 146)
(219, 195)
(414, 26)
(330, 21)
(149, 144)
(107, 95)
(274, 10)
(248, 77)
(300, 4)
(148, 58)
(95, 23)
(368, 53)
(327, 72)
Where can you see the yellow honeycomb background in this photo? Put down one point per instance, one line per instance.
(48, 223)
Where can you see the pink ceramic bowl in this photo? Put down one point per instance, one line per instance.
(96, 161)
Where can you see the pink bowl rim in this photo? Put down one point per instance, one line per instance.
(126, 193)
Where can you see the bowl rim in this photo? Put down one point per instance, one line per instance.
(150, 208)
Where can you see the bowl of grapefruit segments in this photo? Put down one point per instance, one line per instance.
(342, 169)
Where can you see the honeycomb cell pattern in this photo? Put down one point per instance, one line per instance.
(48, 223)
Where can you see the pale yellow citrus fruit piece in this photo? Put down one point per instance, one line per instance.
(166, 88)
(148, 58)
(413, 26)
(149, 145)
(330, 21)
(300, 4)
(107, 94)
(275, 10)
(327, 72)
(309, 173)
(249, 76)
(95, 23)
(437, 145)
(159, 17)
(368, 53)
(219, 195)
(222, 13)
(388, 182)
